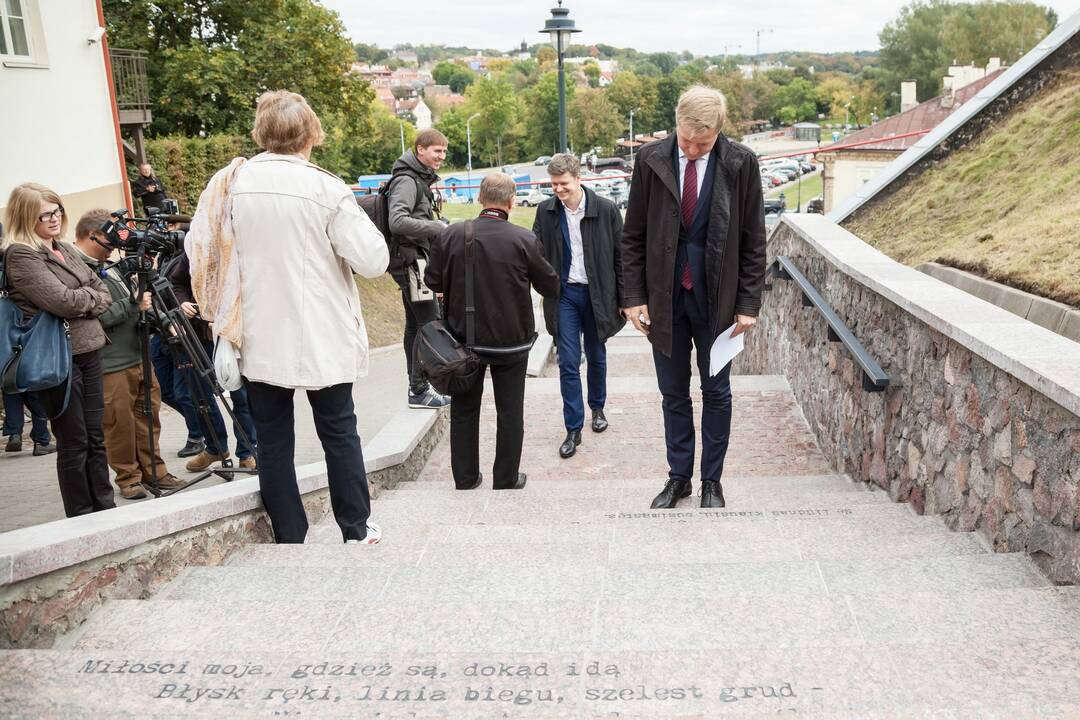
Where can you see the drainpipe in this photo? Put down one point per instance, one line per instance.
(115, 114)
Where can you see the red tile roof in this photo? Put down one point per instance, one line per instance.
(924, 116)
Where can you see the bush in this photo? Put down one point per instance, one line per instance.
(185, 165)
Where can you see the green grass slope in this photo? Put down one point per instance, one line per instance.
(1006, 207)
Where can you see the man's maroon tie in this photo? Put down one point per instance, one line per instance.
(689, 205)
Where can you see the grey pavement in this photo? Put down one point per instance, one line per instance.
(29, 494)
(807, 596)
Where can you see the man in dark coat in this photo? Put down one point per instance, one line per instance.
(580, 233)
(507, 262)
(413, 227)
(148, 188)
(693, 262)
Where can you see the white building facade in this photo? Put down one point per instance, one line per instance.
(59, 128)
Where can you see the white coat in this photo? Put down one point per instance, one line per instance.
(300, 236)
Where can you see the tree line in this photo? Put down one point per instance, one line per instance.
(209, 61)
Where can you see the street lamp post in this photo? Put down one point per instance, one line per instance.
(468, 143)
(631, 138)
(559, 27)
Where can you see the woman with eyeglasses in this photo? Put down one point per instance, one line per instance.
(46, 274)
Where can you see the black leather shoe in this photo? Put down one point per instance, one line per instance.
(712, 494)
(521, 480)
(599, 422)
(673, 492)
(569, 445)
(14, 443)
(478, 483)
(46, 449)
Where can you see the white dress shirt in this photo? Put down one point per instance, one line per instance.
(701, 165)
(577, 253)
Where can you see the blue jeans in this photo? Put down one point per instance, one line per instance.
(14, 420)
(174, 391)
(242, 411)
(576, 320)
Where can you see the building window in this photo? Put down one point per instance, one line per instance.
(14, 38)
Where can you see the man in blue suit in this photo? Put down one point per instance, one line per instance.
(693, 264)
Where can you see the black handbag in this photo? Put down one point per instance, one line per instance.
(449, 365)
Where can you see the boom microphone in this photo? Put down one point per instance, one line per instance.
(177, 219)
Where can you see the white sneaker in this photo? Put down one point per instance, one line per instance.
(374, 536)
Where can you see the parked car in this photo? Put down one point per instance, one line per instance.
(542, 160)
(775, 179)
(817, 205)
(509, 169)
(775, 205)
(529, 197)
(598, 164)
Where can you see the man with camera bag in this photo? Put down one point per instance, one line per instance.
(509, 260)
(411, 208)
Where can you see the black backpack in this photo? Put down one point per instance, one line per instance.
(377, 207)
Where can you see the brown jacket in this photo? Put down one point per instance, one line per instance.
(69, 290)
(734, 248)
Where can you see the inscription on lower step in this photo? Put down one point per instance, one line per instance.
(310, 689)
(731, 514)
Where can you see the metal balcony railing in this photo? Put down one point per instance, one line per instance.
(130, 79)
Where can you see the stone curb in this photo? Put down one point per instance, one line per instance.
(30, 552)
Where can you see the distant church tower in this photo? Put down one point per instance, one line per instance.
(524, 54)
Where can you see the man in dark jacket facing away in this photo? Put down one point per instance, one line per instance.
(413, 226)
(693, 261)
(580, 233)
(507, 262)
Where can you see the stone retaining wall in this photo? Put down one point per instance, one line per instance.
(955, 435)
(35, 611)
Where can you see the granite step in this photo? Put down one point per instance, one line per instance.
(877, 681)
(594, 623)
(555, 578)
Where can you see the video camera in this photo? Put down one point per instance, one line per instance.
(145, 236)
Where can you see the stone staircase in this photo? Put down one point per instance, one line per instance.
(808, 596)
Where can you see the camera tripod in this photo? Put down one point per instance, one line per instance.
(188, 356)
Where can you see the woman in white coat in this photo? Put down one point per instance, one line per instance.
(273, 248)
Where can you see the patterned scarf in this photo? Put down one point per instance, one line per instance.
(211, 250)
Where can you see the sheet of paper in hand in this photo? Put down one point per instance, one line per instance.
(724, 350)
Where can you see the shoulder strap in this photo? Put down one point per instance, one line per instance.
(470, 294)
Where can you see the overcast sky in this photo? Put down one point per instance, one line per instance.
(648, 25)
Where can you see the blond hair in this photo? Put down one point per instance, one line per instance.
(701, 110)
(23, 210)
(285, 123)
(497, 190)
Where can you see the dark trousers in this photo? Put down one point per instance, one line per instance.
(576, 320)
(335, 423)
(174, 391)
(14, 420)
(508, 379)
(691, 326)
(416, 315)
(82, 466)
(238, 399)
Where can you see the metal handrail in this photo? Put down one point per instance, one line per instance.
(874, 379)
